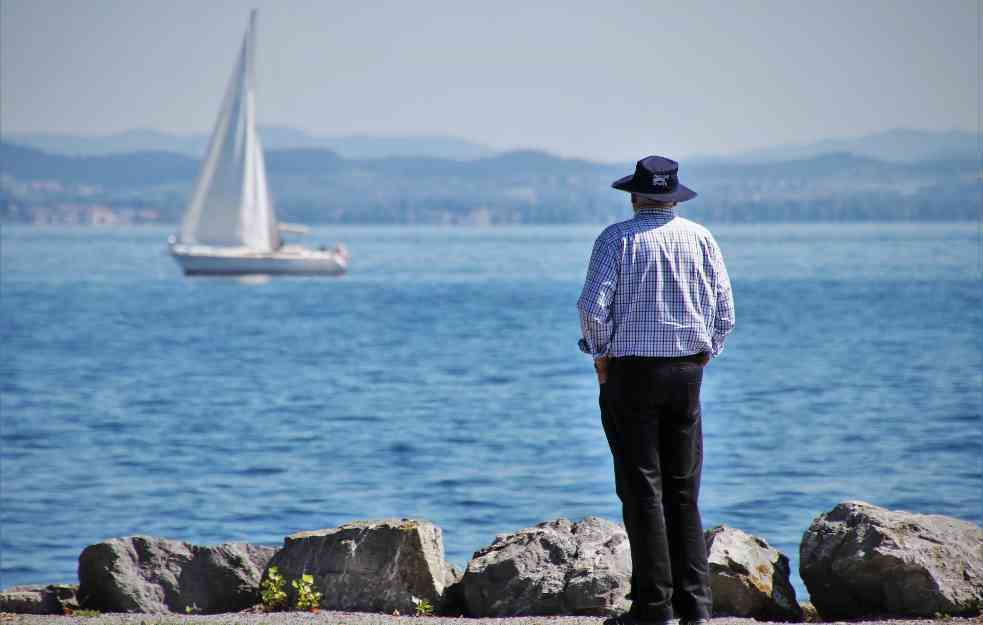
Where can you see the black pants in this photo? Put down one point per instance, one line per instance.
(650, 408)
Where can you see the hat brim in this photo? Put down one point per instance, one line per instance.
(680, 194)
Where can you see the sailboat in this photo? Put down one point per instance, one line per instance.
(230, 225)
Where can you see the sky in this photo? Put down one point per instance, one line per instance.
(610, 80)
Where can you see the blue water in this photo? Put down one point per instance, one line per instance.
(440, 379)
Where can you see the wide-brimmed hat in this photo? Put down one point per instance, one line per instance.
(656, 177)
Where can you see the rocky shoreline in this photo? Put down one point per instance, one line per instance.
(354, 618)
(858, 561)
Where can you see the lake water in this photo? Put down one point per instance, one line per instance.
(440, 379)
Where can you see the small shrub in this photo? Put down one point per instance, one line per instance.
(81, 612)
(271, 590)
(307, 597)
(423, 607)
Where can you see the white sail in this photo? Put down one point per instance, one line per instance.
(230, 226)
(231, 204)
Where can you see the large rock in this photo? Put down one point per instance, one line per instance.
(557, 567)
(50, 599)
(749, 578)
(860, 560)
(149, 574)
(370, 566)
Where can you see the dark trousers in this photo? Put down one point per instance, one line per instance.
(650, 408)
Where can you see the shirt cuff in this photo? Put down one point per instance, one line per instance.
(718, 346)
(584, 347)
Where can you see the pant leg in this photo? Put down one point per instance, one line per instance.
(628, 509)
(635, 403)
(682, 465)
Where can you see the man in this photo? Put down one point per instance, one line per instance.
(655, 308)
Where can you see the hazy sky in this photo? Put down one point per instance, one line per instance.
(603, 80)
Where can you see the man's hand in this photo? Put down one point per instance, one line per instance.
(601, 368)
(706, 359)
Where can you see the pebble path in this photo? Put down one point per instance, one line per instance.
(326, 617)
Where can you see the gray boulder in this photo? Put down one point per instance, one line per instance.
(155, 575)
(557, 567)
(370, 566)
(23, 600)
(50, 599)
(859, 560)
(749, 578)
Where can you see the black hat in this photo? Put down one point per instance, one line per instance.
(656, 177)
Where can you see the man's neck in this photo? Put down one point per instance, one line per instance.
(655, 210)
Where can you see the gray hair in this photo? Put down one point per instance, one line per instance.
(640, 200)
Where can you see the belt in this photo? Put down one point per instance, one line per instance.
(697, 358)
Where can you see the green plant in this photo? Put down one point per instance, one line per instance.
(423, 607)
(85, 613)
(271, 591)
(307, 597)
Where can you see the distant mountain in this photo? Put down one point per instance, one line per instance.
(273, 137)
(139, 140)
(316, 185)
(131, 170)
(365, 146)
(898, 145)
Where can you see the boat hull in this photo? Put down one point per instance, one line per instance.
(310, 263)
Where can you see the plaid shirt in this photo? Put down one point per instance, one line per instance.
(656, 286)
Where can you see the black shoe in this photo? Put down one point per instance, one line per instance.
(628, 619)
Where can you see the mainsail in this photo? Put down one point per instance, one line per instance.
(231, 204)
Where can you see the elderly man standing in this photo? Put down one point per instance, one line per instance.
(655, 309)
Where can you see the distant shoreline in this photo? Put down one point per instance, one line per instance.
(520, 186)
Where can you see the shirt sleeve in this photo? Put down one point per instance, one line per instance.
(594, 305)
(724, 320)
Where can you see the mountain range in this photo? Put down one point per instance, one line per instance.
(940, 180)
(274, 138)
(897, 145)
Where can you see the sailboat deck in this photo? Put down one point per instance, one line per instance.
(286, 252)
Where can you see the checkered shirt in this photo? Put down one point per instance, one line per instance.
(656, 286)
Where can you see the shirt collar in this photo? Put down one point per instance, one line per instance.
(660, 215)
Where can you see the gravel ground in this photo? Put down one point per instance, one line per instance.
(363, 618)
